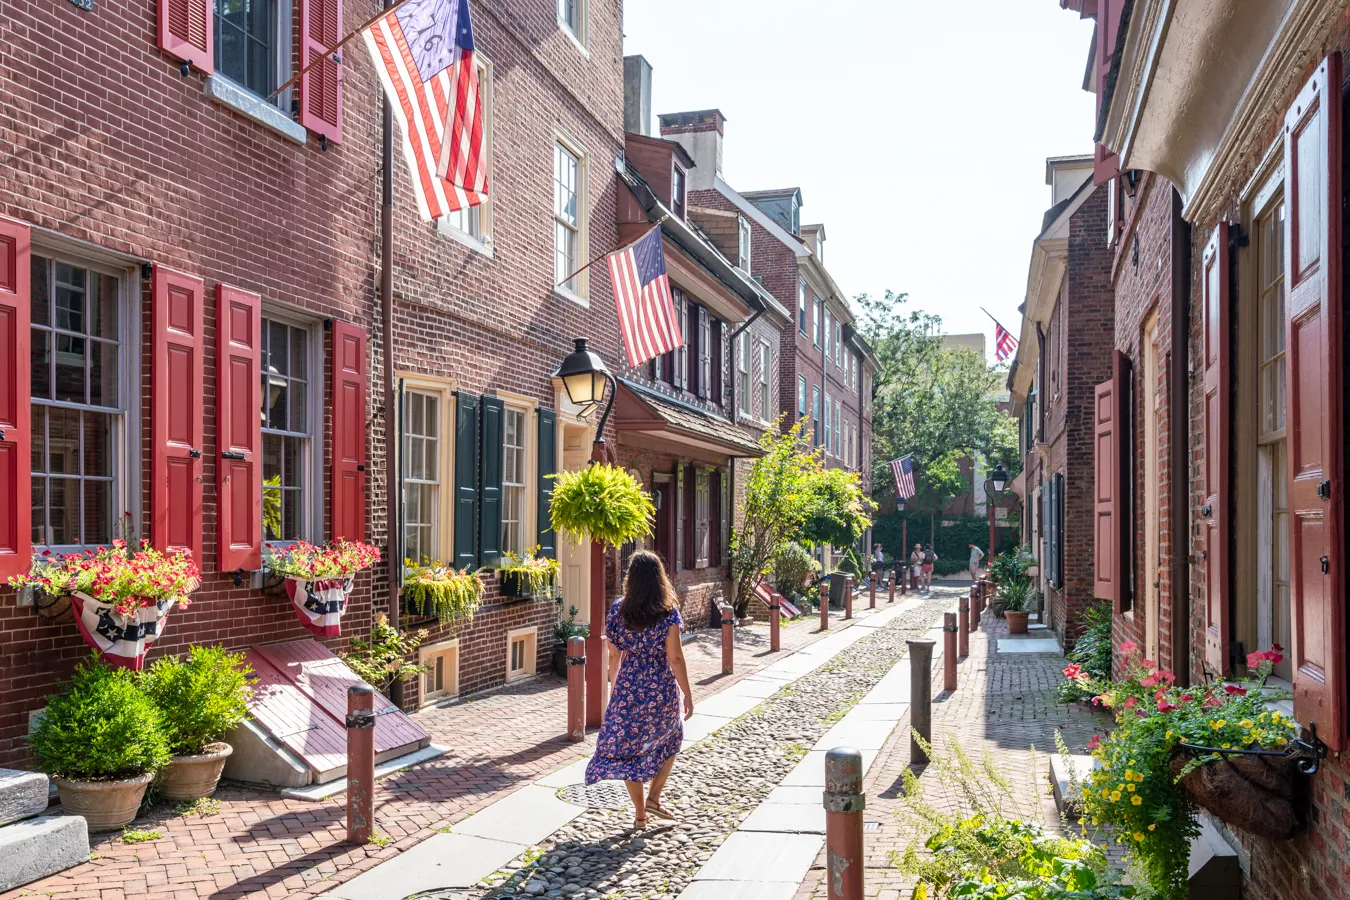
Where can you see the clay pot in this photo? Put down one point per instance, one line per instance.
(195, 777)
(105, 805)
(1017, 620)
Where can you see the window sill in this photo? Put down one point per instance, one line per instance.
(571, 296)
(251, 106)
(574, 39)
(478, 245)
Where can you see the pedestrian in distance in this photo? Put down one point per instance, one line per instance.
(929, 560)
(916, 566)
(643, 726)
(879, 565)
(976, 557)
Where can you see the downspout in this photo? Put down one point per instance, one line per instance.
(392, 497)
(731, 416)
(1178, 401)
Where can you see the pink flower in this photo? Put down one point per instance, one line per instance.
(1186, 698)
(1131, 702)
(1164, 706)
(1095, 742)
(1277, 648)
(1212, 702)
(1150, 681)
(1148, 663)
(1233, 690)
(1073, 670)
(1128, 647)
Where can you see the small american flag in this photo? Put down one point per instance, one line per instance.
(1004, 342)
(902, 470)
(642, 295)
(424, 55)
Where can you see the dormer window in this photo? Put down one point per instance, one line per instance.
(744, 243)
(677, 192)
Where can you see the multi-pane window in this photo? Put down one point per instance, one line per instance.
(743, 243)
(286, 429)
(829, 425)
(677, 192)
(801, 306)
(571, 16)
(765, 367)
(476, 221)
(825, 336)
(702, 515)
(421, 475)
(743, 373)
(1272, 320)
(246, 43)
(705, 329)
(801, 396)
(838, 427)
(1273, 457)
(441, 674)
(77, 403)
(566, 217)
(815, 416)
(816, 323)
(514, 495)
(838, 342)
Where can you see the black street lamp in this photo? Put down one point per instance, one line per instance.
(999, 478)
(584, 375)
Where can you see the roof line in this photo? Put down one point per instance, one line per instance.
(759, 216)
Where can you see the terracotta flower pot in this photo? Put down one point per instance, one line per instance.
(1017, 620)
(105, 805)
(195, 777)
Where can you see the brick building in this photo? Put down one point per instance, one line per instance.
(154, 188)
(1065, 349)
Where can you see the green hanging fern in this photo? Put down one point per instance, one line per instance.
(601, 502)
(454, 596)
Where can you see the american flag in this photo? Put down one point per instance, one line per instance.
(642, 295)
(1004, 342)
(902, 470)
(423, 52)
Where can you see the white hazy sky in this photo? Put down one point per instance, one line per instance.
(916, 130)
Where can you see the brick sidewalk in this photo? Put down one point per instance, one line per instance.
(258, 844)
(1006, 704)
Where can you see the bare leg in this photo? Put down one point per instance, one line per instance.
(659, 782)
(635, 794)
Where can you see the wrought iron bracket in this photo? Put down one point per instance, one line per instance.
(1307, 754)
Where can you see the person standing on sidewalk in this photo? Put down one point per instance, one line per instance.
(878, 565)
(976, 557)
(930, 559)
(916, 566)
(643, 726)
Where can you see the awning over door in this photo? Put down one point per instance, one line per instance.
(639, 411)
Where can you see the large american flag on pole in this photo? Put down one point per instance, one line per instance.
(1004, 342)
(424, 55)
(902, 470)
(642, 294)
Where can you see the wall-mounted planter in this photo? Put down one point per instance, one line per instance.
(513, 586)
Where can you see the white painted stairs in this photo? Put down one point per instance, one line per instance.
(34, 845)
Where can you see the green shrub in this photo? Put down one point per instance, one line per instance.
(601, 502)
(1092, 651)
(200, 696)
(101, 726)
(383, 658)
(792, 566)
(951, 537)
(1014, 593)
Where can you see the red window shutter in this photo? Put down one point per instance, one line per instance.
(16, 479)
(238, 430)
(176, 417)
(1312, 148)
(1214, 513)
(187, 31)
(1106, 521)
(348, 499)
(321, 86)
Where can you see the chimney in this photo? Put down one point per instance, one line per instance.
(637, 95)
(700, 133)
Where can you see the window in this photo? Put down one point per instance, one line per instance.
(743, 373)
(253, 43)
(521, 644)
(475, 222)
(825, 335)
(801, 306)
(815, 416)
(287, 428)
(421, 475)
(743, 243)
(1272, 461)
(715, 360)
(441, 676)
(572, 19)
(691, 350)
(681, 352)
(514, 472)
(816, 323)
(801, 396)
(765, 368)
(78, 412)
(566, 218)
(838, 333)
(677, 192)
(704, 353)
(702, 516)
(829, 425)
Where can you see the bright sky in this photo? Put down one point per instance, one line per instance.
(916, 130)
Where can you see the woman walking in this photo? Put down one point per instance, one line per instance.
(643, 726)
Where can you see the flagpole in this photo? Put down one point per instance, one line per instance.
(610, 253)
(336, 47)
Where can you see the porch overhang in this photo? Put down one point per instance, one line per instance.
(640, 412)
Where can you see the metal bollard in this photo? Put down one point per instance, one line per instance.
(895, 576)
(963, 627)
(360, 764)
(775, 615)
(576, 689)
(825, 605)
(728, 639)
(920, 697)
(903, 574)
(848, 596)
(974, 601)
(872, 591)
(949, 651)
(844, 805)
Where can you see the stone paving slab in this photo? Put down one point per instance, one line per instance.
(880, 711)
(441, 861)
(760, 857)
(790, 818)
(759, 689)
(796, 794)
(810, 772)
(737, 890)
(1028, 645)
(525, 817)
(860, 734)
(567, 775)
(727, 707)
(700, 725)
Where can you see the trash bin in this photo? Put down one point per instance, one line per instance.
(838, 581)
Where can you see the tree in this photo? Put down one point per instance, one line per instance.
(839, 514)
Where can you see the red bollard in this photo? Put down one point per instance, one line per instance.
(976, 609)
(949, 652)
(825, 605)
(728, 639)
(360, 764)
(844, 805)
(895, 576)
(872, 592)
(848, 596)
(963, 627)
(576, 689)
(775, 615)
(904, 580)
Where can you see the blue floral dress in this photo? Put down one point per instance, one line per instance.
(643, 724)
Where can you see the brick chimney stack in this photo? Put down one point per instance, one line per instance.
(637, 95)
(700, 133)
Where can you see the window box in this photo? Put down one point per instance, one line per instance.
(516, 585)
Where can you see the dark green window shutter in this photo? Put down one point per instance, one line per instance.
(548, 465)
(490, 482)
(466, 481)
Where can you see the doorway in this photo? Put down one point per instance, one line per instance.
(663, 493)
(1151, 573)
(575, 556)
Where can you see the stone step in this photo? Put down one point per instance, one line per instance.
(36, 848)
(22, 795)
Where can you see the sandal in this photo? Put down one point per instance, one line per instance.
(660, 811)
(639, 823)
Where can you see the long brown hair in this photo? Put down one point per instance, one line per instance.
(648, 596)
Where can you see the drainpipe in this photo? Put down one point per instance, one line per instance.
(1178, 398)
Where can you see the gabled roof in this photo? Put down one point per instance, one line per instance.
(758, 215)
(643, 410)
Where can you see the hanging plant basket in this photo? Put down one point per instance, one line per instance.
(319, 579)
(53, 607)
(437, 591)
(320, 604)
(527, 574)
(122, 639)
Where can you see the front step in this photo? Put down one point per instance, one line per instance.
(36, 848)
(22, 795)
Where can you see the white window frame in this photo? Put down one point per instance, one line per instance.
(580, 34)
(312, 467)
(477, 239)
(816, 312)
(743, 242)
(802, 409)
(426, 656)
(529, 525)
(825, 335)
(283, 46)
(815, 416)
(802, 323)
(838, 427)
(702, 517)
(829, 425)
(838, 333)
(744, 402)
(444, 389)
(579, 290)
(530, 635)
(766, 370)
(125, 493)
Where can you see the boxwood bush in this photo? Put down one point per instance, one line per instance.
(200, 696)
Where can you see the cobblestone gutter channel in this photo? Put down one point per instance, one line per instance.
(715, 784)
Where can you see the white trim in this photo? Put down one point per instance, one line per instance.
(249, 105)
(583, 280)
(451, 689)
(755, 213)
(315, 483)
(529, 517)
(530, 634)
(445, 389)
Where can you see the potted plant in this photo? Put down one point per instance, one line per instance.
(102, 739)
(319, 578)
(1220, 746)
(601, 502)
(121, 596)
(382, 659)
(527, 574)
(1013, 595)
(200, 697)
(565, 628)
(435, 589)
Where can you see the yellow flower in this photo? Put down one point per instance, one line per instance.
(1129, 775)
(1082, 821)
(1137, 800)
(1227, 746)
(1246, 723)
(1217, 725)
(1169, 733)
(1130, 788)
(1151, 827)
(1138, 836)
(1132, 762)
(1115, 796)
(1105, 793)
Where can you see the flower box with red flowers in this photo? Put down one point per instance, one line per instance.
(319, 579)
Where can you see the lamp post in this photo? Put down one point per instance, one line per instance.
(584, 377)
(998, 480)
(903, 570)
